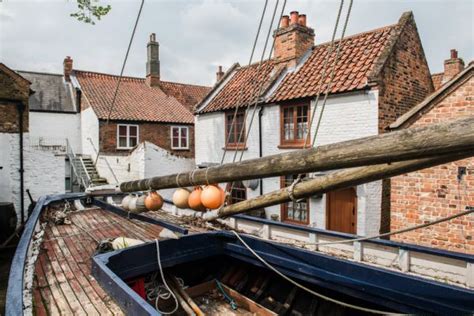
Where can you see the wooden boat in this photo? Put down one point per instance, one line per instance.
(57, 270)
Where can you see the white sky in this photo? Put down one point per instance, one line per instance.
(196, 36)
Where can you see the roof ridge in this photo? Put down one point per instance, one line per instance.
(379, 29)
(185, 84)
(107, 75)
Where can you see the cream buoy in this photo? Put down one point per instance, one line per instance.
(140, 204)
(126, 202)
(153, 201)
(180, 198)
(212, 197)
(132, 205)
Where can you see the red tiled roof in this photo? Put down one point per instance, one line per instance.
(243, 86)
(136, 101)
(357, 58)
(437, 80)
(189, 95)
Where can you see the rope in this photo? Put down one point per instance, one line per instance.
(241, 91)
(396, 232)
(364, 309)
(164, 295)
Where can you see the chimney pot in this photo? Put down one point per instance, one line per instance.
(454, 53)
(67, 68)
(285, 21)
(302, 19)
(294, 17)
(152, 37)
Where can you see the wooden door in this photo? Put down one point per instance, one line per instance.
(341, 211)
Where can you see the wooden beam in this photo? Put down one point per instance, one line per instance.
(334, 181)
(401, 145)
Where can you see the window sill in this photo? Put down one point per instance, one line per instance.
(292, 146)
(289, 221)
(125, 148)
(234, 147)
(180, 149)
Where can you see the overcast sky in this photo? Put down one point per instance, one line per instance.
(197, 36)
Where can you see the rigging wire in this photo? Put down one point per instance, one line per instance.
(121, 75)
(241, 91)
(324, 297)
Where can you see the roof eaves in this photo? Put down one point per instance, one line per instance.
(402, 120)
(217, 88)
(374, 76)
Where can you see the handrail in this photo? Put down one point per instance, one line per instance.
(106, 161)
(72, 158)
(89, 180)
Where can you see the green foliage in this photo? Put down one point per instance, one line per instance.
(89, 11)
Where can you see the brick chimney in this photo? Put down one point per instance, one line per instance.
(219, 74)
(293, 38)
(153, 62)
(67, 68)
(452, 66)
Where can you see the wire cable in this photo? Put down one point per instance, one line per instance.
(364, 309)
(241, 90)
(121, 74)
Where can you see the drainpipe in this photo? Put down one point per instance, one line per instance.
(21, 109)
(260, 146)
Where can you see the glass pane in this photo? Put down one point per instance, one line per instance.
(175, 132)
(184, 132)
(175, 142)
(133, 130)
(122, 130)
(122, 141)
(288, 124)
(133, 141)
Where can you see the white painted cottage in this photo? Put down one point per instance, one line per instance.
(380, 75)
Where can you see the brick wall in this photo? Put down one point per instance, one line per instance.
(12, 89)
(433, 193)
(156, 133)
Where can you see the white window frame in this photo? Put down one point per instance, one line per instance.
(128, 135)
(179, 137)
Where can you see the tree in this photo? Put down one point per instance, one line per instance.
(89, 11)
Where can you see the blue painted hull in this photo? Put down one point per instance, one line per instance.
(393, 291)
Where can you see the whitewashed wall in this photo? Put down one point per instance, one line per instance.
(89, 129)
(44, 170)
(54, 128)
(146, 160)
(345, 117)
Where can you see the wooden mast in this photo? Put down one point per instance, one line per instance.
(438, 139)
(333, 181)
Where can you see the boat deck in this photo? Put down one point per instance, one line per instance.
(65, 286)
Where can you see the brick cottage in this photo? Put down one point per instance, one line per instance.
(441, 191)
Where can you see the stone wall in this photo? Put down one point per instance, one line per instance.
(429, 194)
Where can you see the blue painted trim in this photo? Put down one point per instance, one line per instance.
(123, 213)
(14, 298)
(432, 251)
(402, 292)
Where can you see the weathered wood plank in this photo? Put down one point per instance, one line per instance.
(408, 144)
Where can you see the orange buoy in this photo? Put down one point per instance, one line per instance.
(180, 198)
(194, 200)
(153, 201)
(212, 196)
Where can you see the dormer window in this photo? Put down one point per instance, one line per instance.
(179, 137)
(127, 136)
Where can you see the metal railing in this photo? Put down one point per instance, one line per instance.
(105, 159)
(78, 167)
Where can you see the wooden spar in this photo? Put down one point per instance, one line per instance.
(408, 144)
(333, 181)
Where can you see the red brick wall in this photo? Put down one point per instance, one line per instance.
(14, 90)
(156, 133)
(292, 42)
(433, 193)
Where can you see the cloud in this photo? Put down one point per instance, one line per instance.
(198, 35)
